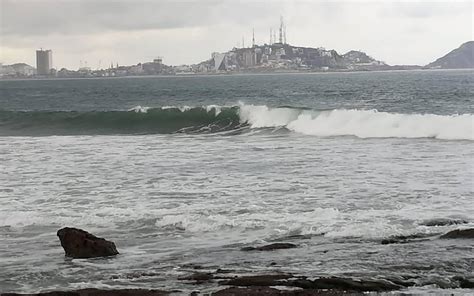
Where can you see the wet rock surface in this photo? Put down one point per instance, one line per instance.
(271, 247)
(330, 283)
(267, 291)
(78, 243)
(465, 283)
(443, 222)
(259, 280)
(459, 233)
(403, 239)
(198, 277)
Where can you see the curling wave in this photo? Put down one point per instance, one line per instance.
(242, 118)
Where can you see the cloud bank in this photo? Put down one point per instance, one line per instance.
(129, 32)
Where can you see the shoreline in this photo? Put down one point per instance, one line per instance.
(276, 73)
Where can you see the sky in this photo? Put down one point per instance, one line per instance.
(97, 33)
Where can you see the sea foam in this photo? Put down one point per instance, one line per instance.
(361, 123)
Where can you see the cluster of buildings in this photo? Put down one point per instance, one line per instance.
(275, 56)
(278, 55)
(44, 67)
(155, 67)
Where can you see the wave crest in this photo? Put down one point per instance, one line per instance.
(244, 117)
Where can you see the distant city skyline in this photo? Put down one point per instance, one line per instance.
(187, 32)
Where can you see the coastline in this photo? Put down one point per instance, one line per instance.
(234, 74)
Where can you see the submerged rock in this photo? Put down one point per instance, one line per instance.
(403, 239)
(258, 280)
(233, 291)
(271, 247)
(198, 277)
(459, 233)
(354, 285)
(78, 243)
(97, 292)
(443, 222)
(464, 283)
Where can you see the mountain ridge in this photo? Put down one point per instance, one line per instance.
(459, 58)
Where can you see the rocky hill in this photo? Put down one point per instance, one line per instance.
(285, 57)
(459, 58)
(358, 60)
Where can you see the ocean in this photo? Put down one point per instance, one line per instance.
(183, 172)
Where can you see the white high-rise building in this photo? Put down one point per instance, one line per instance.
(44, 62)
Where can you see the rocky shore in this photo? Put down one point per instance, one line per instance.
(78, 243)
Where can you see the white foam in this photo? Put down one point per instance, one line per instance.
(361, 123)
(263, 116)
(181, 108)
(209, 108)
(139, 109)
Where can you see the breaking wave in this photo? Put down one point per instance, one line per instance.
(241, 118)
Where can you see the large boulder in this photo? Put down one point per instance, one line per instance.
(460, 233)
(78, 243)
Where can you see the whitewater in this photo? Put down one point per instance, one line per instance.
(182, 173)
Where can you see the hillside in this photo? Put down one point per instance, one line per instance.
(285, 57)
(459, 58)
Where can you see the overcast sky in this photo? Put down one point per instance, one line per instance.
(184, 32)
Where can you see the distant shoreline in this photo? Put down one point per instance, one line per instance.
(231, 74)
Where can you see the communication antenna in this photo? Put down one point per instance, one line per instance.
(243, 42)
(281, 30)
(253, 37)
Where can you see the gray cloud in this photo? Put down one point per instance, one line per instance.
(80, 17)
(188, 31)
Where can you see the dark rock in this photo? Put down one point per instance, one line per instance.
(443, 222)
(233, 291)
(301, 283)
(78, 243)
(198, 277)
(192, 265)
(267, 291)
(354, 285)
(98, 292)
(403, 239)
(332, 283)
(464, 282)
(258, 280)
(271, 247)
(459, 233)
(222, 270)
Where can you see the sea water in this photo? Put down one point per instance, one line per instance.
(185, 171)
